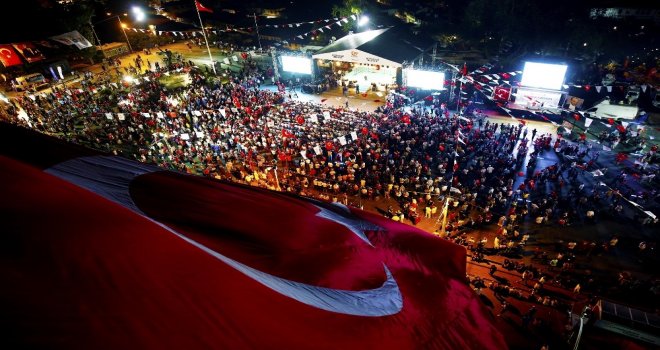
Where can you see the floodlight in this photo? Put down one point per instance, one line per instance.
(139, 14)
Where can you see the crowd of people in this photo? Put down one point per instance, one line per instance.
(413, 158)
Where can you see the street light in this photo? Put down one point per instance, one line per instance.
(123, 27)
(363, 21)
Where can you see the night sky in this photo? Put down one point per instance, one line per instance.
(37, 19)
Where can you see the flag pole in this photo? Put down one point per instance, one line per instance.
(445, 212)
(254, 15)
(205, 39)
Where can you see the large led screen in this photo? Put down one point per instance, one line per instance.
(297, 64)
(543, 75)
(426, 80)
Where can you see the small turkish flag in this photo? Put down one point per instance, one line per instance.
(502, 93)
(202, 8)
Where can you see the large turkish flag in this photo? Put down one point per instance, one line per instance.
(8, 56)
(100, 252)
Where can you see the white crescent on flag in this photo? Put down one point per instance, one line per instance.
(110, 177)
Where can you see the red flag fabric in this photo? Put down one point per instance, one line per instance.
(29, 52)
(464, 70)
(8, 56)
(120, 245)
(329, 145)
(202, 8)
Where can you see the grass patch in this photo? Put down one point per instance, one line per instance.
(174, 80)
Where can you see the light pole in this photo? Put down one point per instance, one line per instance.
(98, 41)
(123, 29)
(121, 25)
(256, 25)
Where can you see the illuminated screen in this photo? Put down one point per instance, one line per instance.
(426, 80)
(297, 64)
(543, 75)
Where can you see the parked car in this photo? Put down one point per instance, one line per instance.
(31, 82)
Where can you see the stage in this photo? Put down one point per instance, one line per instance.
(365, 76)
